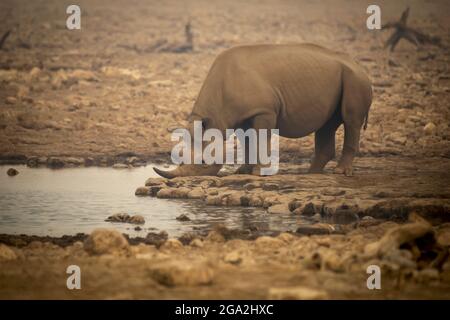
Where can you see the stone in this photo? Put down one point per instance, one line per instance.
(12, 172)
(281, 208)
(316, 229)
(294, 204)
(171, 244)
(118, 217)
(396, 237)
(156, 239)
(6, 253)
(182, 274)
(213, 200)
(234, 199)
(55, 163)
(196, 243)
(233, 257)
(266, 242)
(155, 182)
(427, 275)
(215, 236)
(443, 237)
(196, 193)
(136, 219)
(429, 128)
(105, 241)
(173, 193)
(143, 191)
(11, 100)
(120, 166)
(270, 187)
(310, 209)
(183, 217)
(255, 201)
(296, 293)
(251, 186)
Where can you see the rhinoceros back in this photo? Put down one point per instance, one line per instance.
(301, 84)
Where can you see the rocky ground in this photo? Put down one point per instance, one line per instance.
(110, 93)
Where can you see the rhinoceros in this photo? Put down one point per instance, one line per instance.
(295, 88)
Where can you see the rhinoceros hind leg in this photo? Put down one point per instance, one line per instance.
(356, 101)
(324, 149)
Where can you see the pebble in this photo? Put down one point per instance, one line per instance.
(182, 274)
(183, 217)
(143, 191)
(429, 128)
(12, 172)
(106, 241)
(6, 253)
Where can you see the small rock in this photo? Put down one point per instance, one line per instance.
(136, 219)
(279, 209)
(215, 236)
(443, 237)
(294, 204)
(156, 239)
(155, 181)
(143, 191)
(137, 228)
(196, 243)
(104, 241)
(234, 199)
(55, 163)
(270, 187)
(6, 253)
(296, 293)
(397, 236)
(268, 242)
(182, 274)
(12, 172)
(316, 229)
(172, 244)
(11, 100)
(251, 186)
(427, 275)
(310, 209)
(233, 257)
(429, 129)
(196, 193)
(118, 217)
(183, 217)
(120, 166)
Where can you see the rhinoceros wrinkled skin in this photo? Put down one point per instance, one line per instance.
(296, 88)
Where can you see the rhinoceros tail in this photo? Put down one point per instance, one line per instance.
(366, 119)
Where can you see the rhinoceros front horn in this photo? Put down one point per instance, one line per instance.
(189, 170)
(169, 174)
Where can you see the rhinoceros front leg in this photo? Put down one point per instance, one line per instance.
(262, 121)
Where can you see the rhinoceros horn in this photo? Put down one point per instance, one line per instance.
(189, 170)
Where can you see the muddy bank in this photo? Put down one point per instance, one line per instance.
(388, 188)
(413, 257)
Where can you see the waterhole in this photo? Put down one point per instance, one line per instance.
(42, 201)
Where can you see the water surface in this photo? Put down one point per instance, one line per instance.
(42, 201)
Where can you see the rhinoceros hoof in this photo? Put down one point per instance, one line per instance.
(347, 171)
